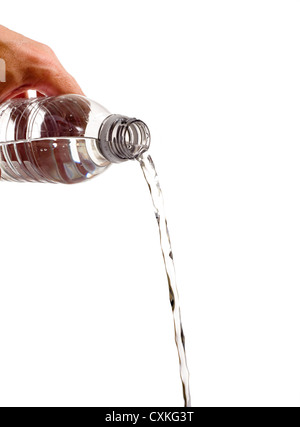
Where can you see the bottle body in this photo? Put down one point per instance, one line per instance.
(59, 160)
(57, 139)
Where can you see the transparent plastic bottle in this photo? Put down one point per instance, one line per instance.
(64, 139)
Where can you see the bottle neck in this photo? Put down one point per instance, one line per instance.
(122, 138)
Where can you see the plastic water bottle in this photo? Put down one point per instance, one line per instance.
(65, 139)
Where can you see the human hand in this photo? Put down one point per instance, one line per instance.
(31, 65)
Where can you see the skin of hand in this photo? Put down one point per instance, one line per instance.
(31, 65)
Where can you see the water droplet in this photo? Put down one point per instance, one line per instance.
(157, 217)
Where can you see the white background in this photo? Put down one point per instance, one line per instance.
(84, 311)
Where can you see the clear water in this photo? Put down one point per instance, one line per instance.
(56, 160)
(151, 177)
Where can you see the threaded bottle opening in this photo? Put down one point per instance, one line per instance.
(122, 138)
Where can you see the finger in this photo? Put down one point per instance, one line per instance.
(23, 95)
(18, 92)
(57, 82)
(40, 94)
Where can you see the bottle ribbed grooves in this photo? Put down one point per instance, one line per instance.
(122, 138)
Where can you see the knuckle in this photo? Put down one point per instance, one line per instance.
(45, 48)
(40, 54)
